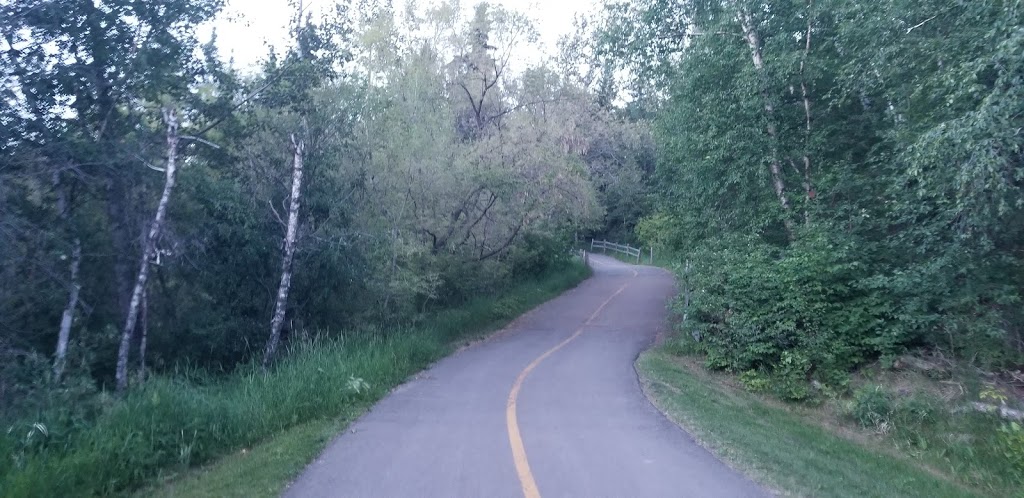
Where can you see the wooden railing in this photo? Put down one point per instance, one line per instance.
(604, 246)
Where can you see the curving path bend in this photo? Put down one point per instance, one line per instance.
(550, 406)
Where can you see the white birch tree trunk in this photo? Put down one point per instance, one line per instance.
(66, 319)
(281, 303)
(753, 39)
(808, 183)
(148, 250)
(74, 288)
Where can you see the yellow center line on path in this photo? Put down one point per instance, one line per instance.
(514, 437)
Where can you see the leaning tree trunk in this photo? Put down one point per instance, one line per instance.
(753, 39)
(64, 335)
(148, 251)
(74, 287)
(277, 321)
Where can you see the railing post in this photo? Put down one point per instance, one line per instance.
(652, 255)
(591, 245)
(685, 281)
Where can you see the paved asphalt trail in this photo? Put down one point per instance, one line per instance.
(578, 425)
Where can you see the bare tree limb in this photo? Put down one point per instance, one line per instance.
(922, 23)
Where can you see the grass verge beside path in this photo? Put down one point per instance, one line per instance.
(259, 429)
(778, 448)
(263, 470)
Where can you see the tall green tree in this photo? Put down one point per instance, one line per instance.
(833, 159)
(83, 84)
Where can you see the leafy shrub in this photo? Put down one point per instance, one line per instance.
(1011, 442)
(791, 376)
(754, 381)
(798, 313)
(659, 230)
(537, 254)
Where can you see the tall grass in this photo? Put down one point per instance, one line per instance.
(171, 423)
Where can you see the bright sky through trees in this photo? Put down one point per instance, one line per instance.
(246, 27)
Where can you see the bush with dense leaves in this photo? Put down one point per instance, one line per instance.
(796, 313)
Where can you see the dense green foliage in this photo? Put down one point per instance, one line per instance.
(173, 422)
(841, 182)
(149, 201)
(846, 178)
(434, 172)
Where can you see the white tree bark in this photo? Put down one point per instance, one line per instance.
(753, 39)
(67, 318)
(808, 183)
(281, 303)
(64, 335)
(148, 250)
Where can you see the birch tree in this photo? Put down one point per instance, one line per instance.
(74, 284)
(883, 117)
(311, 63)
(149, 248)
(77, 77)
(288, 252)
(753, 38)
